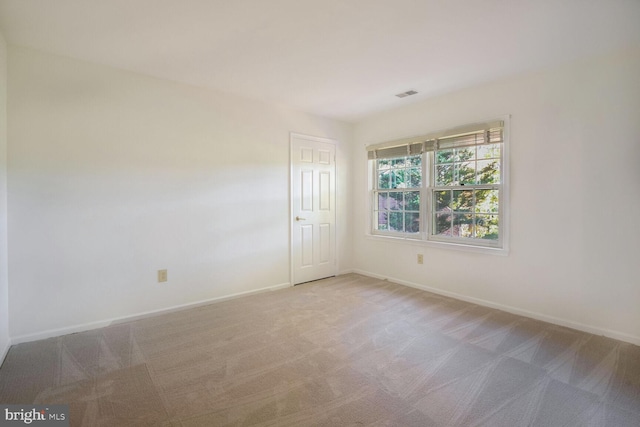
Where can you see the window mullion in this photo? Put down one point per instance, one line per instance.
(473, 208)
(425, 197)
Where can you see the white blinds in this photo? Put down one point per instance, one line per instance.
(397, 151)
(476, 134)
(489, 136)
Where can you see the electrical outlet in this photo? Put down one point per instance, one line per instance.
(162, 276)
(420, 259)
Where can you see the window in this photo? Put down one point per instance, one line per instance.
(446, 187)
(397, 207)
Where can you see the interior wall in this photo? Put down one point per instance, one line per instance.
(114, 175)
(4, 285)
(574, 238)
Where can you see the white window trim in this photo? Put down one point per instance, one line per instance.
(423, 238)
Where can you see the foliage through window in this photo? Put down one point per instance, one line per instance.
(446, 188)
(398, 196)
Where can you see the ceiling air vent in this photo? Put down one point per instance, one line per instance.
(407, 93)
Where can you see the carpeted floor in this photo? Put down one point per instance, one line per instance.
(346, 351)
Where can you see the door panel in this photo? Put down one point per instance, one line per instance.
(306, 155)
(306, 191)
(306, 245)
(324, 157)
(325, 191)
(313, 208)
(325, 242)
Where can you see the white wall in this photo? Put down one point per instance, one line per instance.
(575, 202)
(114, 175)
(4, 286)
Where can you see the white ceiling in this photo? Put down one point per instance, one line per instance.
(338, 58)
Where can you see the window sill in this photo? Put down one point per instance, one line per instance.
(435, 244)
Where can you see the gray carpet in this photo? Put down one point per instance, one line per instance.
(346, 351)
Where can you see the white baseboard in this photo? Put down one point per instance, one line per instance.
(3, 355)
(116, 320)
(534, 315)
(596, 330)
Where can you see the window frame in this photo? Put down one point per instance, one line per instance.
(426, 237)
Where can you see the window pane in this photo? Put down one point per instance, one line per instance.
(462, 225)
(399, 163)
(396, 221)
(384, 163)
(442, 224)
(442, 200)
(412, 222)
(382, 221)
(489, 151)
(412, 200)
(465, 173)
(398, 178)
(462, 200)
(487, 227)
(444, 174)
(415, 161)
(487, 201)
(415, 177)
(444, 156)
(464, 154)
(395, 201)
(488, 172)
(384, 179)
(383, 201)
(380, 214)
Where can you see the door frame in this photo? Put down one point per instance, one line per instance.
(334, 142)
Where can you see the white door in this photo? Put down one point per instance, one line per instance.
(313, 208)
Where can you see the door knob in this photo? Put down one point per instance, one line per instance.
(300, 219)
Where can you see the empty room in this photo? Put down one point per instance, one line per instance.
(320, 213)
